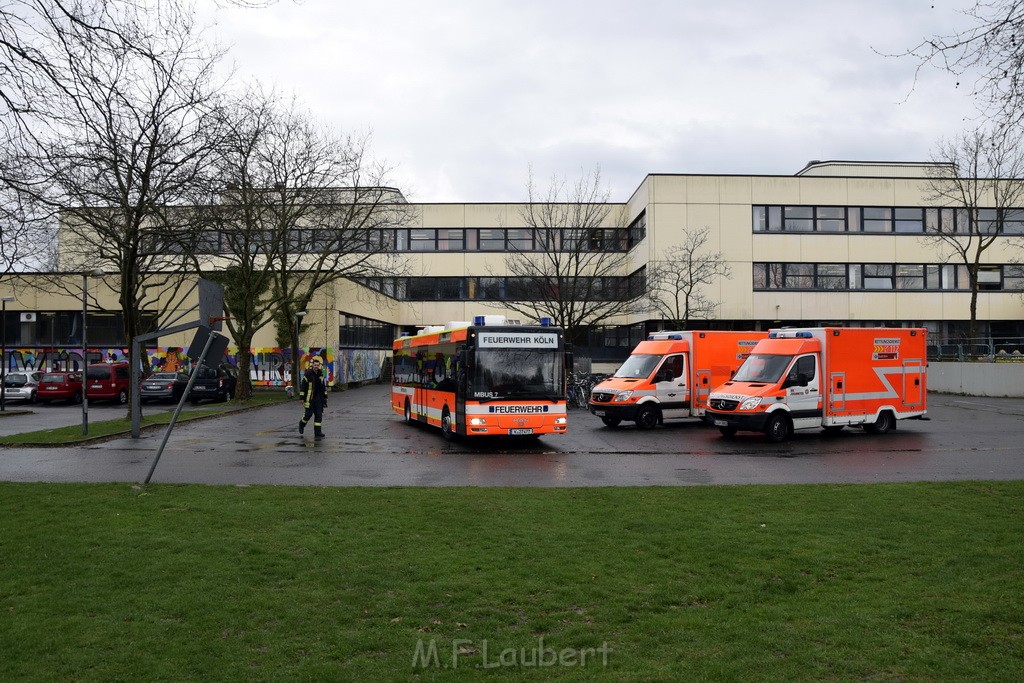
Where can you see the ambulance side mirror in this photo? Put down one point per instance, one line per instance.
(800, 380)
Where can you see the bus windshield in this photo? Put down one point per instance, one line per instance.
(516, 373)
(761, 367)
(638, 366)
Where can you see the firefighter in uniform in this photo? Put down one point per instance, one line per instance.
(314, 397)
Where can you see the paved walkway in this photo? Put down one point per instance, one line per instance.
(367, 445)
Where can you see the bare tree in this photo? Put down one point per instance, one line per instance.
(575, 273)
(27, 227)
(299, 208)
(676, 282)
(980, 173)
(120, 143)
(990, 52)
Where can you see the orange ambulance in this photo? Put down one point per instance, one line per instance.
(826, 377)
(670, 375)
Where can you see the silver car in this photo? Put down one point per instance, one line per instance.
(21, 386)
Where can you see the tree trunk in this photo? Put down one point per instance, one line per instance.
(243, 392)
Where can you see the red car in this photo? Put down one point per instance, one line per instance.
(108, 381)
(60, 386)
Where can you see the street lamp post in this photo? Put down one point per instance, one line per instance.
(295, 351)
(3, 353)
(85, 349)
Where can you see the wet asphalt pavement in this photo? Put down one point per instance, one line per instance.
(367, 445)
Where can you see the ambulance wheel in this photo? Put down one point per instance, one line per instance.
(408, 412)
(728, 432)
(647, 417)
(885, 423)
(612, 422)
(777, 428)
(447, 428)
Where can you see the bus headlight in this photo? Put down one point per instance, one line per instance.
(560, 420)
(622, 396)
(477, 421)
(751, 403)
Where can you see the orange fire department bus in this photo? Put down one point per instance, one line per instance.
(485, 378)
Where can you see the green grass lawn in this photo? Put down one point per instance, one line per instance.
(101, 429)
(879, 582)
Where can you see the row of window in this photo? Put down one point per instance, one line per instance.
(364, 333)
(886, 219)
(64, 328)
(503, 288)
(884, 276)
(418, 240)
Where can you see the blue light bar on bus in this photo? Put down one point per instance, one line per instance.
(478, 320)
(546, 322)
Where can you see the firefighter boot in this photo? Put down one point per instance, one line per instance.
(317, 432)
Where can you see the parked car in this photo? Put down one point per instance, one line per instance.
(22, 386)
(108, 381)
(163, 386)
(60, 386)
(214, 383)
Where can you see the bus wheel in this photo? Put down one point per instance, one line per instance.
(885, 422)
(447, 428)
(647, 417)
(611, 421)
(777, 428)
(408, 413)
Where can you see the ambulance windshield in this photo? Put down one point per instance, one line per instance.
(761, 367)
(638, 366)
(516, 373)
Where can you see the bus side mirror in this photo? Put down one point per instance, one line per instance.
(463, 359)
(568, 362)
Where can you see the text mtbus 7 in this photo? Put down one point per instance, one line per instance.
(482, 379)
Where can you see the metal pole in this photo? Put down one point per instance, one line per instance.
(177, 411)
(85, 354)
(295, 351)
(3, 358)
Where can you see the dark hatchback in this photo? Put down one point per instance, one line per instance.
(217, 384)
(163, 386)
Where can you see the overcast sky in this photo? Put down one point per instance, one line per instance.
(463, 97)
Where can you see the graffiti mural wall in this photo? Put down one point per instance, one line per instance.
(359, 365)
(271, 366)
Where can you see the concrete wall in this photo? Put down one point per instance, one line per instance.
(977, 379)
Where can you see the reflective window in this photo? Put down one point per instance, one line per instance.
(876, 219)
(909, 220)
(422, 240)
(799, 218)
(878, 276)
(451, 240)
(492, 239)
(830, 219)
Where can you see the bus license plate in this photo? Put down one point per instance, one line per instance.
(520, 432)
(721, 423)
(599, 413)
